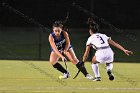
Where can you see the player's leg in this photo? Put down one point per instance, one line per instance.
(109, 63)
(54, 61)
(95, 69)
(109, 67)
(72, 57)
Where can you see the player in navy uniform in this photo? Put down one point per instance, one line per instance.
(60, 44)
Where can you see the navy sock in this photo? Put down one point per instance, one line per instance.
(60, 68)
(82, 68)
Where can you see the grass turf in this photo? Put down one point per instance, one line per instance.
(40, 77)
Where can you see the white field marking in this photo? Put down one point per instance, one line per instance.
(61, 88)
(23, 78)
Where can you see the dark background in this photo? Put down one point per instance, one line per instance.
(21, 39)
(121, 13)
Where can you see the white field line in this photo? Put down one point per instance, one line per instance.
(62, 88)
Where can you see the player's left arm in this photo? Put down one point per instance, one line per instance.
(67, 42)
(127, 52)
(86, 53)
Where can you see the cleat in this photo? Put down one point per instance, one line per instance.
(110, 75)
(88, 76)
(97, 79)
(65, 76)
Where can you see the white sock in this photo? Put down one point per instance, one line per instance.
(95, 69)
(109, 66)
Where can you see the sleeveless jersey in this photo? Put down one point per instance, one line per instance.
(59, 42)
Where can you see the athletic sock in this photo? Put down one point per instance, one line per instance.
(82, 68)
(59, 68)
(95, 69)
(109, 66)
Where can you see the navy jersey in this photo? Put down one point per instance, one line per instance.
(60, 42)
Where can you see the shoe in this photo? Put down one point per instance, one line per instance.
(65, 76)
(88, 76)
(97, 79)
(110, 75)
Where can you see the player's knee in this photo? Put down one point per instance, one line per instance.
(107, 64)
(75, 60)
(94, 62)
(52, 62)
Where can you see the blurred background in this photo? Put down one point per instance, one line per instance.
(24, 40)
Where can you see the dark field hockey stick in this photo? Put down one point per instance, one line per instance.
(77, 74)
(65, 62)
(66, 65)
(81, 66)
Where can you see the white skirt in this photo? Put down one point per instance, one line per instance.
(104, 55)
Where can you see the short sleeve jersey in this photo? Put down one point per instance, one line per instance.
(98, 40)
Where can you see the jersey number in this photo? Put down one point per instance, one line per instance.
(100, 39)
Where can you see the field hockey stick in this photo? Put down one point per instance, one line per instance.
(66, 29)
(78, 71)
(77, 74)
(65, 61)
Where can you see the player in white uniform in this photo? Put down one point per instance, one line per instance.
(104, 54)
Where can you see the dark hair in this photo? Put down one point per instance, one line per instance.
(94, 27)
(58, 24)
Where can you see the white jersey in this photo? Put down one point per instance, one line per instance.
(98, 40)
(104, 53)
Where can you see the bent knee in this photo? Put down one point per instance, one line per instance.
(53, 62)
(74, 61)
(94, 61)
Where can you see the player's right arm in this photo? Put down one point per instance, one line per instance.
(86, 53)
(127, 52)
(51, 40)
(88, 45)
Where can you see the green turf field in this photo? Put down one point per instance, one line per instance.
(41, 77)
